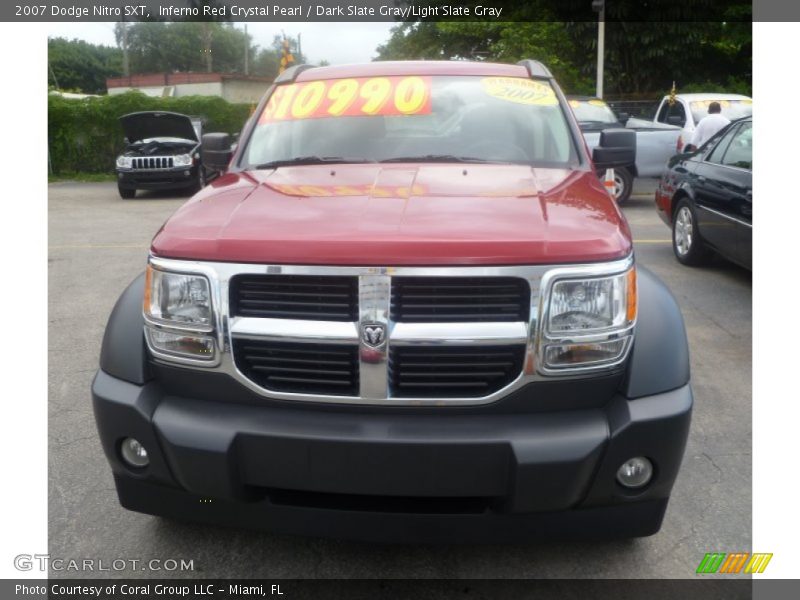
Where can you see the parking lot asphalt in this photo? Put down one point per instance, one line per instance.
(98, 244)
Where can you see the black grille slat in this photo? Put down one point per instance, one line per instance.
(153, 162)
(296, 361)
(281, 314)
(308, 297)
(300, 368)
(290, 303)
(460, 299)
(453, 371)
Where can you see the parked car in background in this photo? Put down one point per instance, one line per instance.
(594, 116)
(162, 151)
(706, 197)
(673, 125)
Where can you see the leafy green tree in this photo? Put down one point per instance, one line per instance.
(155, 47)
(648, 44)
(76, 65)
(546, 41)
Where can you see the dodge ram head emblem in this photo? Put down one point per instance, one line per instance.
(373, 334)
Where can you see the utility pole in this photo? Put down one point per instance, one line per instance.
(299, 48)
(126, 65)
(246, 51)
(599, 6)
(207, 36)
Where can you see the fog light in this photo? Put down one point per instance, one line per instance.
(635, 472)
(134, 453)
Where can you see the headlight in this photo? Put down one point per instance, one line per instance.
(124, 162)
(182, 160)
(177, 299)
(179, 317)
(589, 321)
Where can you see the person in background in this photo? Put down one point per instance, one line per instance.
(708, 126)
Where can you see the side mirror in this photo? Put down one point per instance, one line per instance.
(676, 120)
(216, 151)
(623, 117)
(617, 148)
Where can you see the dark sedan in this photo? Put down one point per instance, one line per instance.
(706, 197)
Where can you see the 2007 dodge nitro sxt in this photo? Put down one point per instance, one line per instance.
(406, 310)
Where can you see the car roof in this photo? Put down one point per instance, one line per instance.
(711, 96)
(413, 67)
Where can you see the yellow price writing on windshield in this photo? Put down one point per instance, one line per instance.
(364, 96)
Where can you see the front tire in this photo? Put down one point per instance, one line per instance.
(199, 182)
(623, 184)
(687, 244)
(126, 193)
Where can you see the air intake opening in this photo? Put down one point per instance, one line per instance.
(460, 299)
(383, 504)
(448, 371)
(328, 369)
(305, 297)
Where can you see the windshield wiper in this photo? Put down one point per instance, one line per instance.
(310, 160)
(436, 158)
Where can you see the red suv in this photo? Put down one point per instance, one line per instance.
(405, 310)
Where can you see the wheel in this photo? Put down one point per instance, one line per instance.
(199, 182)
(623, 184)
(126, 193)
(686, 241)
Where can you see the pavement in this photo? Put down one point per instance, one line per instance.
(98, 244)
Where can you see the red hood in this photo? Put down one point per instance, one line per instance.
(399, 215)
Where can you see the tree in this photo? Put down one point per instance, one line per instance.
(546, 41)
(156, 47)
(80, 66)
(648, 44)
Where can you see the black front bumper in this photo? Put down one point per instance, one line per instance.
(158, 179)
(394, 476)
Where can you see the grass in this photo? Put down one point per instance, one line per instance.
(82, 177)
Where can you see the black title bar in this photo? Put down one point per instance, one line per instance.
(394, 10)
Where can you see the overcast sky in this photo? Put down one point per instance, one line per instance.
(338, 43)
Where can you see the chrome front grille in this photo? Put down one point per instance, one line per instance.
(356, 335)
(371, 318)
(152, 162)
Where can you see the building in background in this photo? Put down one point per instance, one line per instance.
(233, 88)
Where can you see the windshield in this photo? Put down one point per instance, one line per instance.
(414, 119)
(732, 109)
(592, 111)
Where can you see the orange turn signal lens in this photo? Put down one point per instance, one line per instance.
(631, 295)
(148, 282)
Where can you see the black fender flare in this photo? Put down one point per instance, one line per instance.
(124, 353)
(659, 360)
